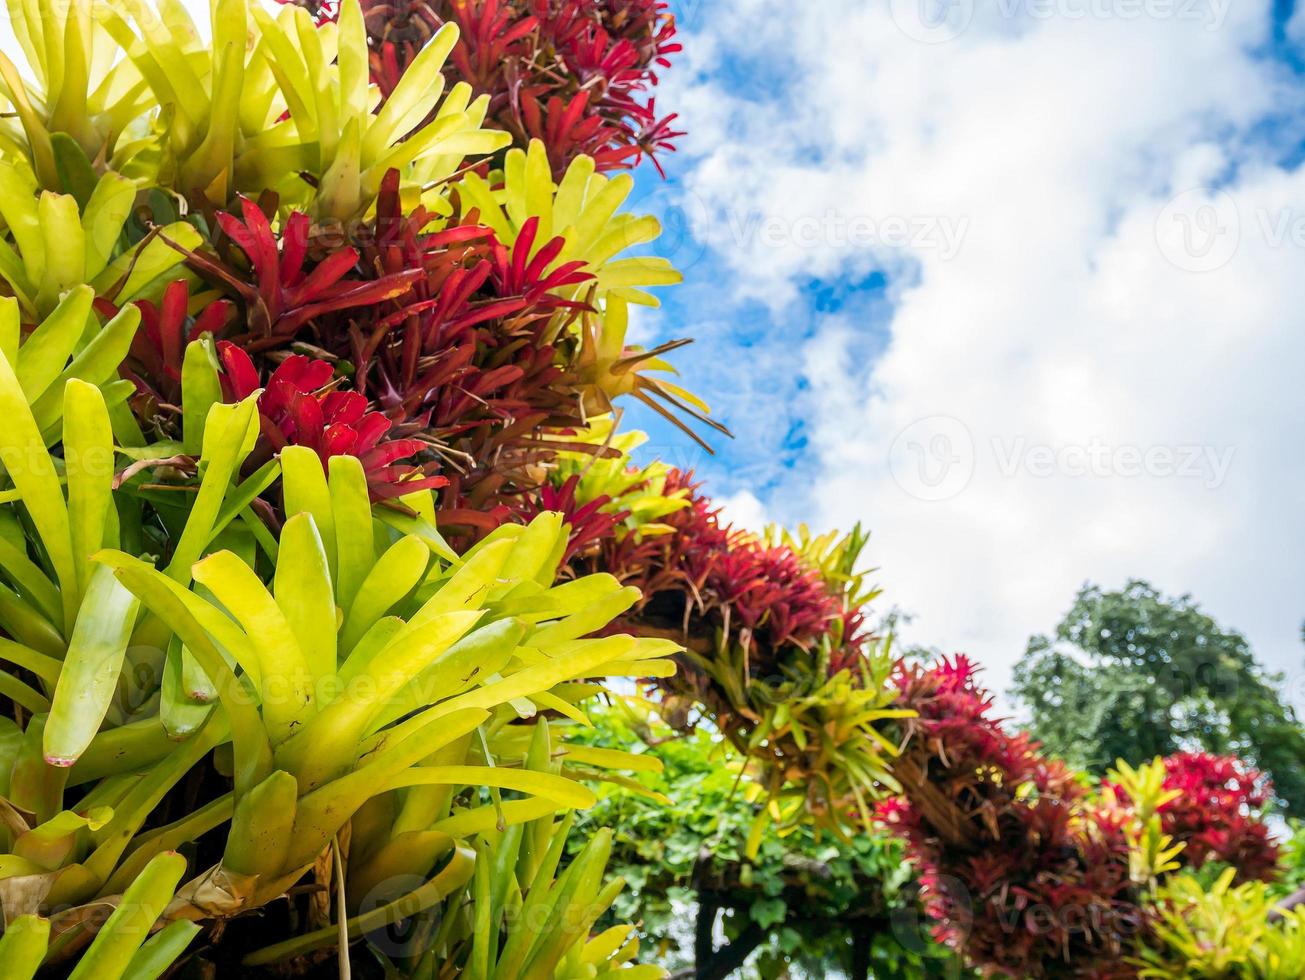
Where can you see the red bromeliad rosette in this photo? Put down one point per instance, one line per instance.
(299, 406)
(1022, 873)
(1216, 811)
(1027, 871)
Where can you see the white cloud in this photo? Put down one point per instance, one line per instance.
(1130, 404)
(744, 510)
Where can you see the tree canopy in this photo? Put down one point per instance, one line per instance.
(1134, 674)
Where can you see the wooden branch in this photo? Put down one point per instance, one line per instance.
(704, 940)
(941, 811)
(1286, 905)
(861, 943)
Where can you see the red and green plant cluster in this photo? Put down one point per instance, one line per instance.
(1025, 868)
(1019, 869)
(722, 584)
(377, 259)
(577, 75)
(1217, 811)
(778, 657)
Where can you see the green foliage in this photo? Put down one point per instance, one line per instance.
(1221, 932)
(502, 907)
(123, 946)
(836, 557)
(1293, 857)
(1150, 675)
(350, 658)
(61, 241)
(272, 98)
(681, 834)
(1151, 852)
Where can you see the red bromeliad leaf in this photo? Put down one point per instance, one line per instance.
(515, 273)
(590, 525)
(283, 287)
(298, 407)
(158, 350)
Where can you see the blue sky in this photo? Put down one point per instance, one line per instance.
(766, 456)
(1107, 393)
(738, 360)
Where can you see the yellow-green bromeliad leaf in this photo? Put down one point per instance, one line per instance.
(584, 210)
(53, 243)
(347, 705)
(340, 134)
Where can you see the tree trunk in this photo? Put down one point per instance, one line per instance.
(861, 943)
(720, 963)
(864, 929)
(704, 942)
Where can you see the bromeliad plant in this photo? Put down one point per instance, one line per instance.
(1222, 930)
(601, 493)
(213, 121)
(523, 913)
(345, 658)
(123, 946)
(249, 311)
(1024, 874)
(1213, 806)
(777, 657)
(60, 242)
(1029, 872)
(575, 74)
